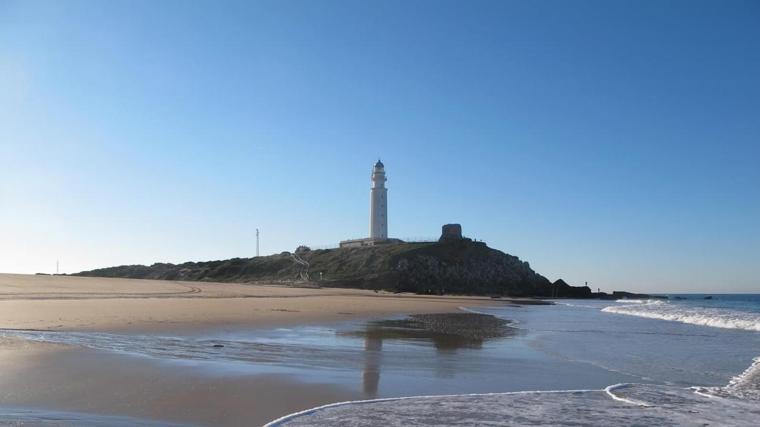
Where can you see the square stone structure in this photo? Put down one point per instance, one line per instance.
(451, 232)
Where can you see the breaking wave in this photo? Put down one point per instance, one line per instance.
(616, 405)
(704, 316)
(743, 386)
(639, 301)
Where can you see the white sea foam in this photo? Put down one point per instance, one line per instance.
(747, 384)
(470, 310)
(610, 390)
(351, 403)
(569, 304)
(743, 386)
(618, 405)
(715, 317)
(639, 301)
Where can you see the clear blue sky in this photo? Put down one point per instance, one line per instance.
(614, 142)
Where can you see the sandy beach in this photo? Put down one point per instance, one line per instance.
(85, 303)
(71, 378)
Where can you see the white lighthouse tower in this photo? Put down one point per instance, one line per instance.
(378, 204)
(378, 213)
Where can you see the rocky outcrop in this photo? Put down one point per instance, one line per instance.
(452, 266)
(464, 267)
(560, 289)
(625, 295)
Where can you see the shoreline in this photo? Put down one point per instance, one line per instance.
(217, 354)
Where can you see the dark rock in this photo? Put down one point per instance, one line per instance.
(625, 295)
(452, 266)
(630, 295)
(560, 289)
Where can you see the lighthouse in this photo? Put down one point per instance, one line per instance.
(378, 212)
(378, 204)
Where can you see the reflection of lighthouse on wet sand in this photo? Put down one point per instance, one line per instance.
(373, 347)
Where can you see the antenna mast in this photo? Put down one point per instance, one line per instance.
(257, 242)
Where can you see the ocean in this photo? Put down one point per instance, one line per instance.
(686, 339)
(689, 359)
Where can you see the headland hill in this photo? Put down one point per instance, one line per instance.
(453, 265)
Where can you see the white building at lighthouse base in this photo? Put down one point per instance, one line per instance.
(367, 241)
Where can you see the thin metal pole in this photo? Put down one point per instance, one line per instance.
(257, 242)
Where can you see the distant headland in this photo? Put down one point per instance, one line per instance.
(452, 265)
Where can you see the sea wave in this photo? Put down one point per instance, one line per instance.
(639, 301)
(743, 386)
(714, 317)
(617, 405)
(568, 304)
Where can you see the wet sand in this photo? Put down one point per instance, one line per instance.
(229, 380)
(50, 377)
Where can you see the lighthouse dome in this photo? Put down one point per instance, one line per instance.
(379, 164)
